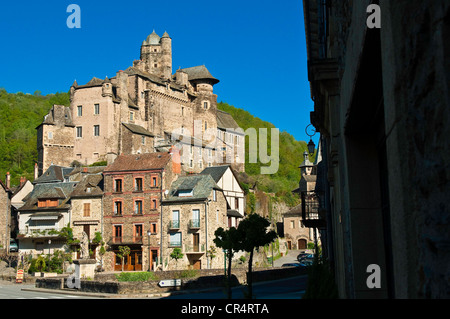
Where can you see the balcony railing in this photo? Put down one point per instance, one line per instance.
(313, 209)
(194, 249)
(194, 224)
(125, 240)
(174, 224)
(39, 231)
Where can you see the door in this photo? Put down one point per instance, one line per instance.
(197, 264)
(196, 242)
(302, 244)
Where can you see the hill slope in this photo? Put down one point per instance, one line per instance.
(290, 152)
(20, 114)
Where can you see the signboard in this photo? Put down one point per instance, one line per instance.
(19, 276)
(170, 283)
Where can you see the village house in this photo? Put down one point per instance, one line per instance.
(133, 188)
(86, 202)
(192, 210)
(225, 178)
(45, 212)
(5, 215)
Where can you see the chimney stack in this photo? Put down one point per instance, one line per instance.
(22, 180)
(36, 171)
(8, 180)
(176, 160)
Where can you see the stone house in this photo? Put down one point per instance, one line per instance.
(86, 202)
(5, 215)
(45, 212)
(225, 177)
(133, 188)
(192, 210)
(296, 234)
(143, 109)
(382, 107)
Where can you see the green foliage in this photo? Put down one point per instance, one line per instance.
(290, 152)
(176, 254)
(136, 276)
(20, 114)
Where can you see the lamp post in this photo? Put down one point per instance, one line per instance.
(49, 242)
(310, 132)
(149, 250)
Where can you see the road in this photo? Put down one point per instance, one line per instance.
(289, 288)
(14, 291)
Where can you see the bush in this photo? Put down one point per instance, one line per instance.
(321, 283)
(136, 276)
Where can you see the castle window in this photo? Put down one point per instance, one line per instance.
(80, 110)
(131, 116)
(206, 125)
(205, 105)
(50, 135)
(79, 131)
(96, 130)
(143, 140)
(96, 109)
(156, 65)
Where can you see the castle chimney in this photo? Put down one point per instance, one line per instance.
(8, 180)
(36, 171)
(176, 160)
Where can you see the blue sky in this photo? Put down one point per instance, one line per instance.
(256, 49)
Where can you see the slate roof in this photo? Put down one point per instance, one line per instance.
(90, 186)
(216, 172)
(53, 174)
(139, 162)
(199, 73)
(58, 190)
(226, 121)
(201, 185)
(136, 129)
(49, 119)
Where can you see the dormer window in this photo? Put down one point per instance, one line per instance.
(185, 193)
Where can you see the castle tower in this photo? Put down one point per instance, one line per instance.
(156, 54)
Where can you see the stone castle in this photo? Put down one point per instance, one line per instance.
(143, 109)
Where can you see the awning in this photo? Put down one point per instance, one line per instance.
(234, 213)
(43, 217)
(85, 222)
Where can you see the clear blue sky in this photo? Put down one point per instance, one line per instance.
(256, 49)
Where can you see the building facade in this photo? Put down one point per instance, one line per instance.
(133, 188)
(381, 105)
(193, 209)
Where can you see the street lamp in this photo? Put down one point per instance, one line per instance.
(49, 242)
(311, 132)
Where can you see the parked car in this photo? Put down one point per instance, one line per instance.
(306, 263)
(303, 256)
(291, 265)
(13, 247)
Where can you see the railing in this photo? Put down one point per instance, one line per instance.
(174, 224)
(312, 209)
(175, 244)
(194, 249)
(39, 231)
(194, 224)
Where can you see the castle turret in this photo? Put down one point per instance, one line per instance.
(156, 55)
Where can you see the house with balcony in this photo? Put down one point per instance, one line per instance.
(133, 188)
(226, 178)
(86, 202)
(46, 210)
(192, 210)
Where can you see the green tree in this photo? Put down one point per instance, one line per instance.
(176, 254)
(228, 240)
(253, 233)
(124, 251)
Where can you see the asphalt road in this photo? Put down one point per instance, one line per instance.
(10, 290)
(289, 288)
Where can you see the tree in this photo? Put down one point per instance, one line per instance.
(253, 233)
(123, 252)
(176, 254)
(228, 240)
